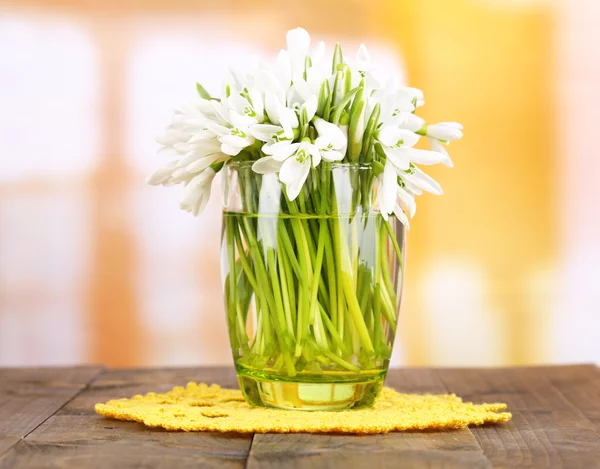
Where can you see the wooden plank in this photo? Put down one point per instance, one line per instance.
(77, 437)
(450, 449)
(547, 429)
(30, 396)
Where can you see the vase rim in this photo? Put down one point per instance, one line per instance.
(332, 164)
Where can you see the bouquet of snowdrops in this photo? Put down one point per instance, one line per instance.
(317, 155)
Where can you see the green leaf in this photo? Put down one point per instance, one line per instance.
(356, 127)
(337, 110)
(369, 132)
(202, 92)
(380, 152)
(324, 98)
(338, 58)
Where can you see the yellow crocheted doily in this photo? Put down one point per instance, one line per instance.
(199, 407)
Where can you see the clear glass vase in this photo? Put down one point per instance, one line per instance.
(312, 287)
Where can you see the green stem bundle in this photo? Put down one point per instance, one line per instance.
(314, 287)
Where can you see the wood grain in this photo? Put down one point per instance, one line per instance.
(30, 396)
(47, 420)
(548, 429)
(450, 449)
(77, 437)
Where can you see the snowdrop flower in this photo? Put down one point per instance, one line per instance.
(248, 104)
(295, 168)
(235, 137)
(197, 192)
(446, 131)
(269, 117)
(417, 181)
(386, 195)
(331, 142)
(298, 43)
(397, 142)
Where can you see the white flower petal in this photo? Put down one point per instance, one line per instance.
(398, 157)
(437, 146)
(266, 165)
(264, 132)
(287, 117)
(203, 163)
(298, 42)
(230, 150)
(332, 155)
(363, 61)
(311, 107)
(394, 136)
(237, 141)
(408, 201)
(426, 157)
(425, 182)
(409, 121)
(240, 121)
(281, 150)
(162, 174)
(284, 69)
(388, 189)
(294, 173)
(444, 132)
(331, 133)
(401, 216)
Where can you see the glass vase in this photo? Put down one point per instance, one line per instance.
(312, 286)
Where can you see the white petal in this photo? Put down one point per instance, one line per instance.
(444, 132)
(220, 110)
(437, 146)
(266, 165)
(398, 157)
(237, 103)
(271, 106)
(294, 174)
(287, 117)
(331, 132)
(203, 163)
(408, 201)
(311, 107)
(314, 153)
(227, 187)
(257, 103)
(393, 136)
(284, 69)
(197, 187)
(401, 216)
(298, 42)
(332, 155)
(236, 141)
(318, 53)
(162, 175)
(218, 129)
(426, 157)
(230, 150)
(407, 120)
(388, 188)
(303, 91)
(363, 61)
(425, 182)
(281, 150)
(240, 121)
(264, 132)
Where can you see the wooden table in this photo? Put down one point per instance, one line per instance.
(47, 419)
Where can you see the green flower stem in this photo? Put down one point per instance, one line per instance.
(388, 227)
(320, 281)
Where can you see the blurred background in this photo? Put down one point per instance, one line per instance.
(504, 269)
